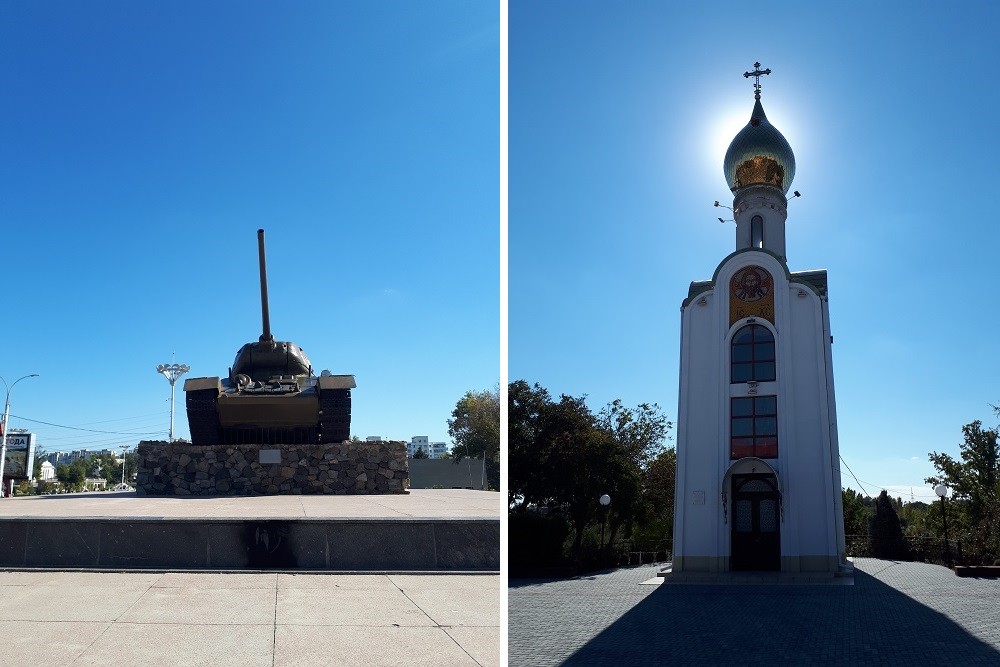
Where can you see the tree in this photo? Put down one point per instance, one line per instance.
(975, 484)
(640, 431)
(474, 428)
(420, 453)
(526, 408)
(580, 463)
(640, 434)
(563, 458)
(40, 457)
(659, 482)
(72, 475)
(857, 517)
(886, 531)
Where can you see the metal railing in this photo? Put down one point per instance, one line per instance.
(908, 548)
(630, 552)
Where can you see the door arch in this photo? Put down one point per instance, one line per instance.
(755, 527)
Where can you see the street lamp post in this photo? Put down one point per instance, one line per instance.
(172, 372)
(605, 501)
(124, 449)
(6, 416)
(941, 490)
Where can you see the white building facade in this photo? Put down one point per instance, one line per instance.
(433, 450)
(758, 475)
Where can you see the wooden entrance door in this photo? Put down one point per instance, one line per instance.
(756, 543)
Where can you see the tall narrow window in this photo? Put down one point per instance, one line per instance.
(756, 232)
(753, 427)
(752, 355)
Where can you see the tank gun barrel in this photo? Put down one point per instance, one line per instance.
(264, 314)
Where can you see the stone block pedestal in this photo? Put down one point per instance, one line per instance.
(183, 469)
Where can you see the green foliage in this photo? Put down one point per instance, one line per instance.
(474, 426)
(857, 517)
(72, 475)
(564, 457)
(659, 481)
(886, 531)
(420, 453)
(974, 480)
(40, 457)
(526, 405)
(99, 466)
(640, 431)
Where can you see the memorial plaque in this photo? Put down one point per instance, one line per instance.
(270, 456)
(697, 497)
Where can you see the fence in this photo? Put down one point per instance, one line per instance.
(925, 549)
(630, 552)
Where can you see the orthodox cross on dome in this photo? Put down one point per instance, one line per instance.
(756, 74)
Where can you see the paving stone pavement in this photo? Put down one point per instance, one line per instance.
(174, 619)
(896, 613)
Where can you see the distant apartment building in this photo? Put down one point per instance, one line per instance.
(65, 458)
(433, 450)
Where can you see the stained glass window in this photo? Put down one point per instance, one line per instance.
(752, 355)
(753, 427)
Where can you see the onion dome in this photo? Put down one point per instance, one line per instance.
(759, 155)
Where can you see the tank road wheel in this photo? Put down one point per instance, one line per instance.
(203, 418)
(335, 415)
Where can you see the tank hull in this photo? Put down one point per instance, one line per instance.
(318, 411)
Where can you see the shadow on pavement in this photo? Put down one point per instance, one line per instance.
(868, 623)
(539, 580)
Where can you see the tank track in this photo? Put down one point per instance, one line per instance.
(203, 417)
(335, 415)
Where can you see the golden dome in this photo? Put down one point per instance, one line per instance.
(759, 155)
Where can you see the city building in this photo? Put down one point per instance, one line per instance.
(48, 471)
(433, 450)
(758, 474)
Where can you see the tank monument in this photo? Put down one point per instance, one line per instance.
(270, 481)
(270, 427)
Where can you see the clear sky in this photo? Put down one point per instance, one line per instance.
(143, 143)
(620, 115)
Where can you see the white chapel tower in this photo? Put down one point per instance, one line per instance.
(758, 475)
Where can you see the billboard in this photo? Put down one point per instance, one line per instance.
(20, 461)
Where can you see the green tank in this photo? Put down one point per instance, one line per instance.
(271, 395)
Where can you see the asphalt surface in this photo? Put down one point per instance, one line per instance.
(177, 619)
(895, 614)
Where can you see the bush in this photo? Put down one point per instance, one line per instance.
(535, 541)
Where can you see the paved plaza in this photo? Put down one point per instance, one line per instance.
(248, 620)
(417, 504)
(895, 614)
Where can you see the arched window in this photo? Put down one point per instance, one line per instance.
(756, 232)
(753, 354)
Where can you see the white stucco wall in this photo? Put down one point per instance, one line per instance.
(807, 465)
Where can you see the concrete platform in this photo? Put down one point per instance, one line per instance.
(426, 530)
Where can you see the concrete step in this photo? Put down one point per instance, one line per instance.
(429, 530)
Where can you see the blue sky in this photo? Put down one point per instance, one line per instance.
(143, 144)
(620, 116)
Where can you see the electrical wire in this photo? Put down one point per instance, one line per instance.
(855, 476)
(88, 430)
